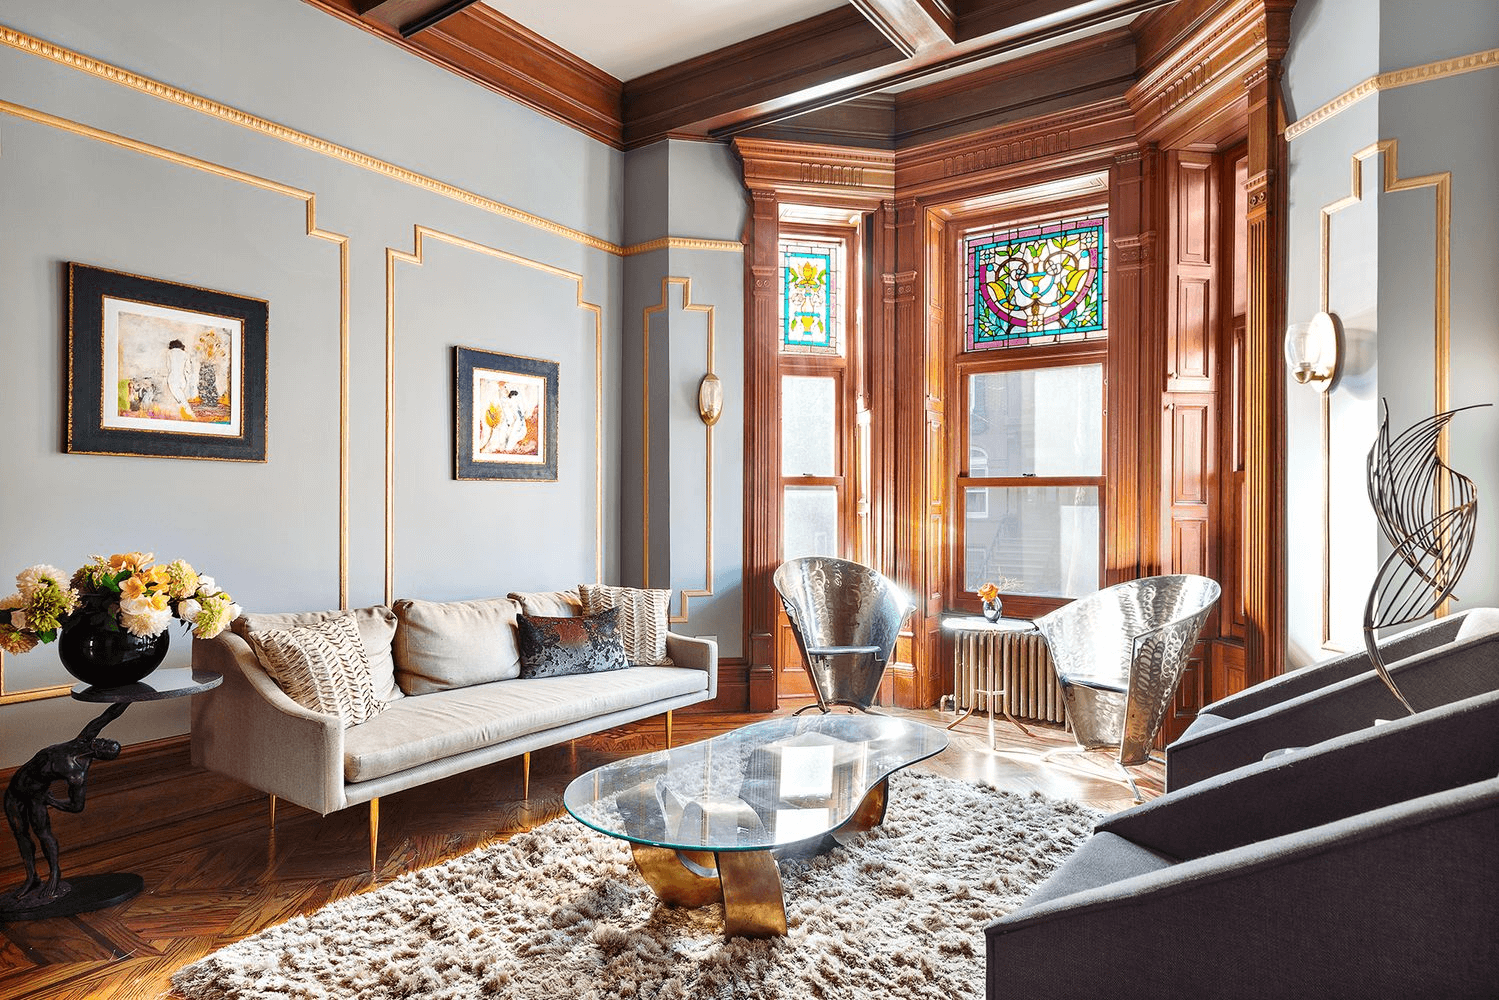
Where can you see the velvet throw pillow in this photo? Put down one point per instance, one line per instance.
(552, 647)
(642, 619)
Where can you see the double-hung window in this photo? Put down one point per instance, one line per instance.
(1033, 378)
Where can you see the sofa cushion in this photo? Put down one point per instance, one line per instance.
(321, 666)
(642, 618)
(454, 644)
(377, 628)
(552, 647)
(417, 731)
(550, 603)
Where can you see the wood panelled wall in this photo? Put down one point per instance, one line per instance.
(1194, 412)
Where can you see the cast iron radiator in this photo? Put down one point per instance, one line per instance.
(1024, 669)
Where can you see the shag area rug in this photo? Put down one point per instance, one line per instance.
(560, 912)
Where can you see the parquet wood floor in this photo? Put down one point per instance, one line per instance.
(216, 875)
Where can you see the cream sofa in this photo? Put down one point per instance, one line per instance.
(449, 673)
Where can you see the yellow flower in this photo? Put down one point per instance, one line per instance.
(134, 586)
(988, 592)
(130, 560)
(155, 576)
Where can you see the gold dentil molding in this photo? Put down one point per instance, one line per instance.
(1487, 59)
(196, 102)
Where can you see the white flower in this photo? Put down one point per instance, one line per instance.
(145, 616)
(33, 578)
(189, 609)
(18, 620)
(206, 586)
(16, 600)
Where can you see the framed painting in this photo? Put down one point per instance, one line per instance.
(505, 424)
(164, 370)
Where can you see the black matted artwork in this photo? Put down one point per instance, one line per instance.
(505, 419)
(164, 370)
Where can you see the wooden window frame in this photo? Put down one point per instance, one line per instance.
(970, 363)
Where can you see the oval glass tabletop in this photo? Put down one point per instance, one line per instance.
(769, 784)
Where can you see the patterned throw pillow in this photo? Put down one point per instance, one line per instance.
(551, 647)
(322, 666)
(642, 619)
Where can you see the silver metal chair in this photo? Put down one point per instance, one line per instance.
(845, 617)
(1120, 654)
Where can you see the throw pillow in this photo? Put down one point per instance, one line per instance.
(377, 627)
(322, 666)
(549, 603)
(642, 618)
(454, 644)
(552, 647)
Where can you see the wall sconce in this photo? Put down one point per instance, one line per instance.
(710, 399)
(1312, 351)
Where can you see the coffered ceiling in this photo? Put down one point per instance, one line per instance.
(876, 72)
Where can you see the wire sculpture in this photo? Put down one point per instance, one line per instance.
(1429, 512)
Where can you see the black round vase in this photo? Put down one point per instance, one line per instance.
(106, 658)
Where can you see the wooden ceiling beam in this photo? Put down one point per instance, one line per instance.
(911, 25)
(407, 17)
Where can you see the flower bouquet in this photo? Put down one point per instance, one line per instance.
(122, 594)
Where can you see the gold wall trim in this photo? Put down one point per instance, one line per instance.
(1441, 183)
(684, 243)
(416, 256)
(645, 454)
(214, 109)
(314, 231)
(1487, 59)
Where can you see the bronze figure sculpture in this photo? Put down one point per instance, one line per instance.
(29, 796)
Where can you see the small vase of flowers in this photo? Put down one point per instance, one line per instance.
(111, 616)
(992, 606)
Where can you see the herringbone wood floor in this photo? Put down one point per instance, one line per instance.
(214, 874)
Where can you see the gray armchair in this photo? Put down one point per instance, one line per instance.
(1120, 654)
(1360, 868)
(846, 618)
(1434, 664)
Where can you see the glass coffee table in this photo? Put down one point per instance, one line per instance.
(706, 821)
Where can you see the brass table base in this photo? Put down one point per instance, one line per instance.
(746, 882)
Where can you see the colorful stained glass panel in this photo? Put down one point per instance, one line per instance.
(1038, 284)
(810, 273)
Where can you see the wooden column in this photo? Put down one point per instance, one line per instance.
(1264, 390)
(762, 443)
(1131, 547)
(905, 489)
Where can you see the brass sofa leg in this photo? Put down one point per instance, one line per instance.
(273, 815)
(525, 776)
(374, 832)
(668, 729)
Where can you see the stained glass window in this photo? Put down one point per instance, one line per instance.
(1036, 284)
(811, 272)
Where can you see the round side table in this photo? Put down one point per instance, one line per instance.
(28, 798)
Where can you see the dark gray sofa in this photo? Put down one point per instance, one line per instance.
(1364, 867)
(1434, 664)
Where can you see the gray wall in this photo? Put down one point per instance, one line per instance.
(1382, 284)
(269, 532)
(685, 189)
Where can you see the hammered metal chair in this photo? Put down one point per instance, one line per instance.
(845, 617)
(1120, 654)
